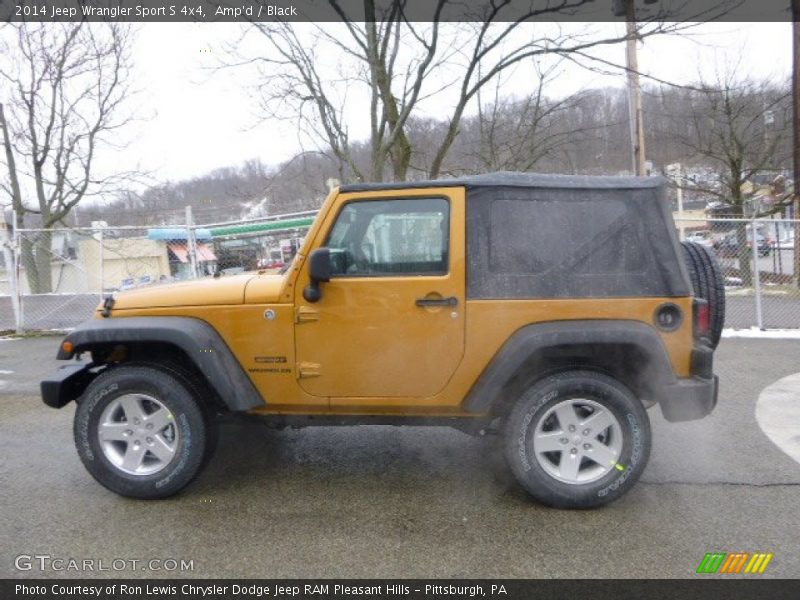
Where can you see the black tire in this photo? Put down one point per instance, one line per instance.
(201, 394)
(189, 426)
(708, 283)
(631, 436)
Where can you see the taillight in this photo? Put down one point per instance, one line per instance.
(702, 318)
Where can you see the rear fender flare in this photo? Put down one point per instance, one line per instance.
(532, 339)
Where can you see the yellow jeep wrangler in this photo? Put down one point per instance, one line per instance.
(553, 310)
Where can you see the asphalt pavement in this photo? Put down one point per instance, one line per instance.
(402, 502)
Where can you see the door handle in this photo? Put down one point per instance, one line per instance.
(425, 302)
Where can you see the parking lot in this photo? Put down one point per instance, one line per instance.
(402, 502)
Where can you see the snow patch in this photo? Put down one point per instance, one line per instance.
(755, 332)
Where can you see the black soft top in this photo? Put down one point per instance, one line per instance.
(519, 180)
(565, 236)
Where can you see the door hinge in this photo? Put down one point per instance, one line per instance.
(308, 369)
(305, 314)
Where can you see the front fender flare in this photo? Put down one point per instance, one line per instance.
(200, 341)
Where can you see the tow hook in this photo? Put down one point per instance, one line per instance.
(108, 304)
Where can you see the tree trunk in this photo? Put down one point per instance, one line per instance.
(37, 260)
(377, 156)
(44, 259)
(378, 159)
(447, 142)
(29, 264)
(401, 158)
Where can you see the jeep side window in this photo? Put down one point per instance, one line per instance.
(377, 238)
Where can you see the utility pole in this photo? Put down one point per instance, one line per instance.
(796, 132)
(191, 242)
(635, 112)
(627, 9)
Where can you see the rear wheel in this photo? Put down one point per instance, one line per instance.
(708, 284)
(141, 432)
(577, 439)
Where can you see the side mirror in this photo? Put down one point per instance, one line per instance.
(319, 270)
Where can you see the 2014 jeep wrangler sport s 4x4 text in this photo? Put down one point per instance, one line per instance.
(554, 310)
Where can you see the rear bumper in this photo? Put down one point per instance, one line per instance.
(66, 384)
(689, 399)
(693, 397)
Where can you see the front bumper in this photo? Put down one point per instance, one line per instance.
(66, 384)
(689, 399)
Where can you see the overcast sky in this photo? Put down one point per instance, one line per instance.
(199, 118)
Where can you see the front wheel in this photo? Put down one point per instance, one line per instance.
(141, 432)
(577, 439)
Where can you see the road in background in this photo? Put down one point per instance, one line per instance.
(777, 261)
(404, 502)
(780, 312)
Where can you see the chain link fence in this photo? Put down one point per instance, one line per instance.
(53, 280)
(62, 274)
(267, 244)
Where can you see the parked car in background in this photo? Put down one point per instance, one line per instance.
(728, 245)
(700, 237)
(270, 263)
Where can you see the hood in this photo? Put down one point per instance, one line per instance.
(202, 292)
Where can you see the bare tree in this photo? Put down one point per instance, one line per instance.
(517, 134)
(61, 105)
(723, 125)
(402, 64)
(225, 194)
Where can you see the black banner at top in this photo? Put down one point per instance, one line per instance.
(211, 11)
